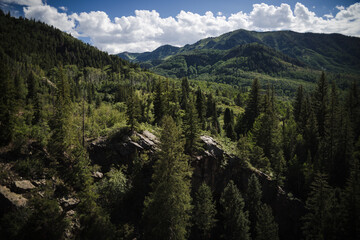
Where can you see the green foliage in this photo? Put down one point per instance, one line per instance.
(235, 220)
(112, 189)
(318, 206)
(204, 211)
(191, 128)
(266, 227)
(253, 202)
(167, 208)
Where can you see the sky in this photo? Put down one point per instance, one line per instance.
(143, 25)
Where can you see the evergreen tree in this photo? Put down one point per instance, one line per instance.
(266, 227)
(298, 104)
(252, 109)
(253, 202)
(185, 91)
(210, 106)
(167, 208)
(59, 140)
(318, 205)
(191, 128)
(229, 124)
(351, 199)
(159, 102)
(200, 107)
(204, 211)
(236, 223)
(32, 85)
(133, 110)
(320, 105)
(7, 105)
(353, 106)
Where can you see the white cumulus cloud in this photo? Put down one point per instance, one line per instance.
(24, 2)
(147, 30)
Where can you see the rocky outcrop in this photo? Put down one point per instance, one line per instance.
(23, 186)
(97, 175)
(120, 148)
(9, 199)
(213, 166)
(216, 168)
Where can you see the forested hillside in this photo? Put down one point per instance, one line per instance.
(95, 147)
(278, 57)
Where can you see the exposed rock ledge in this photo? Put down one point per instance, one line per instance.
(9, 199)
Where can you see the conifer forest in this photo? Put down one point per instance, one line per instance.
(237, 139)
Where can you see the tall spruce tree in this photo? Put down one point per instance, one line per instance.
(159, 102)
(298, 103)
(351, 198)
(320, 105)
(200, 107)
(168, 206)
(204, 211)
(266, 227)
(133, 109)
(191, 128)
(252, 109)
(7, 104)
(60, 126)
(185, 91)
(253, 202)
(318, 205)
(236, 223)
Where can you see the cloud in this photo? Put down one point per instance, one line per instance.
(24, 2)
(63, 8)
(147, 30)
(51, 16)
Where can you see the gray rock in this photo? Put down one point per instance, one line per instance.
(98, 175)
(69, 202)
(23, 185)
(9, 198)
(150, 136)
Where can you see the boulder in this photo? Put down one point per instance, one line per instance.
(98, 175)
(23, 185)
(10, 199)
(69, 202)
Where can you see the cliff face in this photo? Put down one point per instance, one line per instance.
(213, 166)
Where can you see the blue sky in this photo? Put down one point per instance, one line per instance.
(143, 25)
(166, 8)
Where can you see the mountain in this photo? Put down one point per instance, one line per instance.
(24, 40)
(310, 51)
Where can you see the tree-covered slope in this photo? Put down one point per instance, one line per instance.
(330, 52)
(37, 43)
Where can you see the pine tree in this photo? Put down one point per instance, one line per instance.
(7, 105)
(236, 223)
(320, 105)
(185, 91)
(191, 128)
(32, 85)
(318, 205)
(59, 140)
(253, 202)
(351, 198)
(133, 110)
(229, 124)
(204, 211)
(200, 107)
(266, 227)
(252, 109)
(159, 102)
(298, 104)
(167, 208)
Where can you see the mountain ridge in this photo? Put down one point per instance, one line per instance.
(330, 52)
